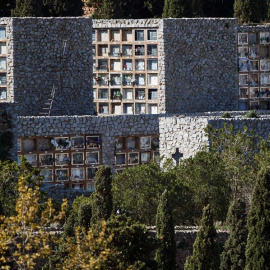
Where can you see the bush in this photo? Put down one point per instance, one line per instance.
(251, 114)
(226, 115)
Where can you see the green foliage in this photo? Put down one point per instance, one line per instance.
(28, 8)
(233, 256)
(251, 114)
(50, 8)
(258, 242)
(237, 150)
(85, 215)
(87, 250)
(131, 245)
(136, 192)
(165, 255)
(205, 249)
(226, 115)
(56, 259)
(63, 8)
(24, 240)
(178, 9)
(70, 225)
(109, 9)
(102, 197)
(249, 11)
(155, 8)
(80, 215)
(9, 174)
(205, 175)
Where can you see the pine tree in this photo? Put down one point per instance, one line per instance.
(28, 8)
(233, 256)
(205, 248)
(178, 9)
(258, 242)
(109, 9)
(165, 255)
(102, 198)
(250, 11)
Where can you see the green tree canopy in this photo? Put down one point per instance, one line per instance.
(109, 9)
(136, 192)
(205, 175)
(102, 197)
(9, 174)
(205, 249)
(165, 255)
(131, 245)
(28, 8)
(237, 150)
(258, 242)
(178, 9)
(50, 8)
(233, 256)
(64, 8)
(250, 11)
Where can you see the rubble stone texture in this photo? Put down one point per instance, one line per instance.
(46, 54)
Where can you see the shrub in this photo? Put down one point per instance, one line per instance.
(226, 115)
(251, 114)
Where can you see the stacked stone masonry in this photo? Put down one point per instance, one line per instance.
(49, 63)
(166, 80)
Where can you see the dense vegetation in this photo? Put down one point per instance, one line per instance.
(107, 230)
(246, 11)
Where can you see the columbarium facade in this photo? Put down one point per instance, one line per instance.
(83, 93)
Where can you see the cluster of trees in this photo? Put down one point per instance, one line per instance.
(247, 11)
(107, 230)
(247, 246)
(94, 237)
(137, 9)
(41, 8)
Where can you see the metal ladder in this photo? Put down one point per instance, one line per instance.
(46, 110)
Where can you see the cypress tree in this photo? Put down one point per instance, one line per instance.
(102, 198)
(165, 255)
(258, 242)
(233, 256)
(178, 8)
(205, 248)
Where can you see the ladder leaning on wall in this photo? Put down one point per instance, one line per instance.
(47, 109)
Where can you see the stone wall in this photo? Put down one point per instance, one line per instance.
(108, 127)
(200, 66)
(52, 53)
(184, 242)
(185, 133)
(253, 28)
